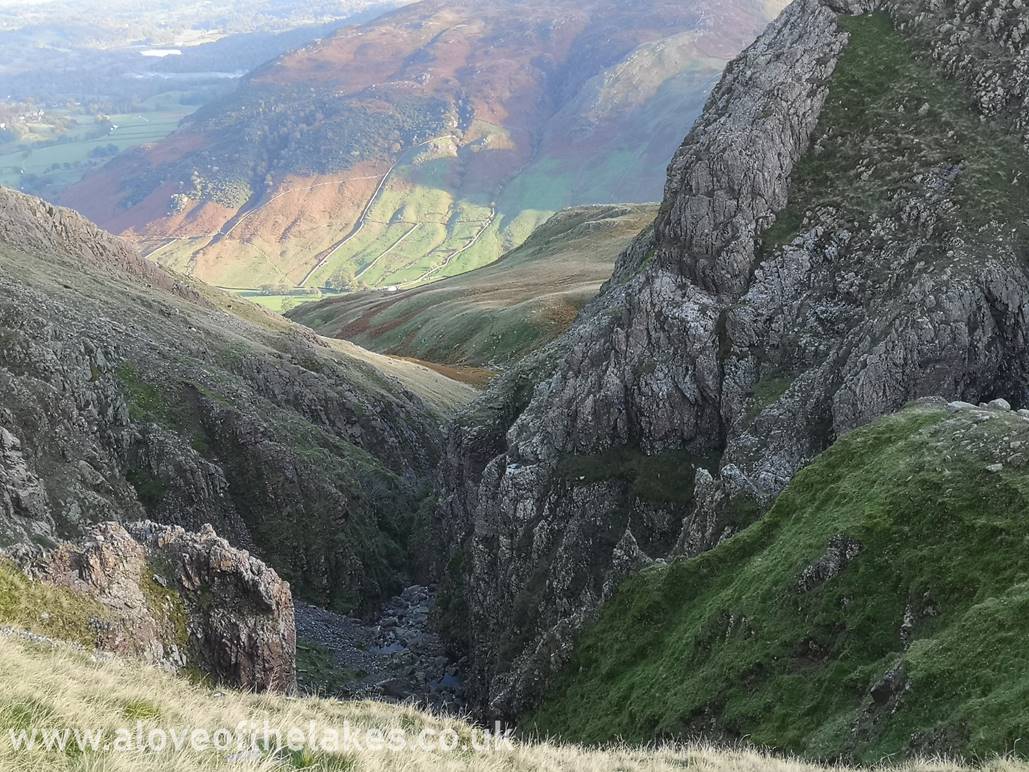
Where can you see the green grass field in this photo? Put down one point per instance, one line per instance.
(280, 304)
(455, 231)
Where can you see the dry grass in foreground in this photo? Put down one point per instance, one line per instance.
(55, 687)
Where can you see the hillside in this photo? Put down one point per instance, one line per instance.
(761, 481)
(843, 231)
(82, 80)
(424, 143)
(497, 313)
(128, 393)
(875, 610)
(54, 687)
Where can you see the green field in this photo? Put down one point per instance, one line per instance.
(465, 224)
(418, 229)
(427, 222)
(280, 303)
(59, 150)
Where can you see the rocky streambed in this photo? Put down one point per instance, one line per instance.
(395, 656)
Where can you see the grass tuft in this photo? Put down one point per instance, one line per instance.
(46, 610)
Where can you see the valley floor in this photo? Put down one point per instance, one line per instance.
(129, 711)
(395, 657)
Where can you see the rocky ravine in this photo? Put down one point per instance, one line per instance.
(129, 393)
(837, 238)
(397, 656)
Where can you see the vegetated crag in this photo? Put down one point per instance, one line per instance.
(876, 611)
(182, 599)
(981, 43)
(127, 393)
(841, 232)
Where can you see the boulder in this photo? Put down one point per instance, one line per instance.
(182, 599)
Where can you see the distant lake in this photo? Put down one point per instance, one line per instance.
(188, 75)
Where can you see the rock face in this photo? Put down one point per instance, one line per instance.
(182, 599)
(808, 271)
(129, 393)
(37, 226)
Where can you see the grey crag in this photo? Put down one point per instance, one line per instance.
(182, 599)
(842, 232)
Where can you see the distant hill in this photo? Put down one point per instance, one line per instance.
(496, 313)
(425, 143)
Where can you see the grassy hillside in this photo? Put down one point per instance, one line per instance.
(497, 313)
(54, 687)
(890, 579)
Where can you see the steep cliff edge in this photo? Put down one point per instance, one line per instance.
(127, 393)
(841, 233)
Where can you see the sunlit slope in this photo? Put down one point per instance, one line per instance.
(53, 687)
(497, 313)
(424, 144)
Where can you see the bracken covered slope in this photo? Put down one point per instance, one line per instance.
(126, 393)
(424, 143)
(843, 231)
